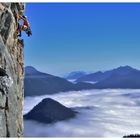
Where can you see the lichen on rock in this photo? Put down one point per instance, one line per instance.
(12, 62)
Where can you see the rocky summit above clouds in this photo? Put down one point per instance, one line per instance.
(49, 111)
(11, 72)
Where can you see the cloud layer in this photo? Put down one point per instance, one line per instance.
(102, 113)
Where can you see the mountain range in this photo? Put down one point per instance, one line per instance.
(99, 75)
(121, 77)
(39, 83)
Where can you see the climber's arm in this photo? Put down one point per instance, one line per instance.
(21, 17)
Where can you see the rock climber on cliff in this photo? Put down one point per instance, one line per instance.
(25, 26)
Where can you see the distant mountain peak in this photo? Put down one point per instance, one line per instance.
(30, 68)
(75, 74)
(30, 71)
(125, 67)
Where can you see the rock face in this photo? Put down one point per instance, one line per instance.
(11, 72)
(50, 111)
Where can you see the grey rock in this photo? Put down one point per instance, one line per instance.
(11, 62)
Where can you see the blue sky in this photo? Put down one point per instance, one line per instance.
(82, 36)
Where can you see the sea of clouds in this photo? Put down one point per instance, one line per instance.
(102, 113)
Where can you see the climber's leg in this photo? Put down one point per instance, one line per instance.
(29, 32)
(19, 30)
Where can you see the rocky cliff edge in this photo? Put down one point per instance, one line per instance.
(11, 72)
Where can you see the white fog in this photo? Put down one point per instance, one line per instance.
(102, 113)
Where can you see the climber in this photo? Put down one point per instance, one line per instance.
(25, 27)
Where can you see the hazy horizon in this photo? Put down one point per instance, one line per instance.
(87, 71)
